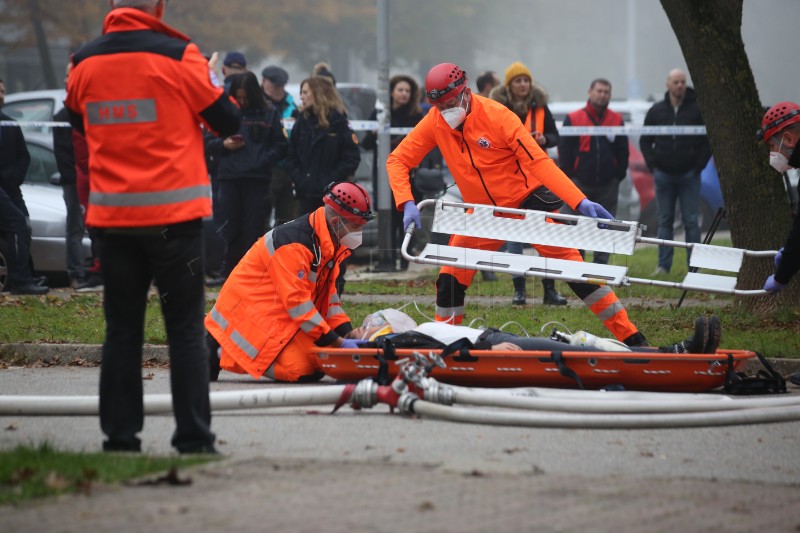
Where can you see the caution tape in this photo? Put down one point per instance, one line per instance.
(372, 125)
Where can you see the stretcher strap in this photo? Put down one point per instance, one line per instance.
(766, 380)
(558, 358)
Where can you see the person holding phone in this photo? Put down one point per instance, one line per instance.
(245, 168)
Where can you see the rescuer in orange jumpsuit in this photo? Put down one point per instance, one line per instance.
(494, 161)
(281, 299)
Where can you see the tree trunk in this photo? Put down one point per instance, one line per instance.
(709, 33)
(41, 43)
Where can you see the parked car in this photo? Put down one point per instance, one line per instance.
(48, 216)
(34, 106)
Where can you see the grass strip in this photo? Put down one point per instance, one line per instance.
(34, 472)
(775, 334)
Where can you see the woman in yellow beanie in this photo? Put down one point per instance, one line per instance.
(528, 100)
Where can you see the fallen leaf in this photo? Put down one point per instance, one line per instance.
(55, 481)
(21, 475)
(11, 427)
(170, 478)
(426, 506)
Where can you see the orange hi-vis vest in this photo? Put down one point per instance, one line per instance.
(537, 114)
(284, 286)
(493, 158)
(140, 89)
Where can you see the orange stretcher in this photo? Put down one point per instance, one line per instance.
(643, 371)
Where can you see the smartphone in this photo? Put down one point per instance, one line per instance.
(237, 138)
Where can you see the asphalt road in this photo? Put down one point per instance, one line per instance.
(302, 469)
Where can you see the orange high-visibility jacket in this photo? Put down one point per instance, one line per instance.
(493, 159)
(535, 118)
(140, 92)
(284, 286)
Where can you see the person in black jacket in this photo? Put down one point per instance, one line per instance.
(596, 164)
(322, 147)
(406, 113)
(14, 162)
(676, 162)
(780, 129)
(245, 167)
(65, 161)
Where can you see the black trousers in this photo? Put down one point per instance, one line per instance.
(14, 226)
(172, 256)
(243, 215)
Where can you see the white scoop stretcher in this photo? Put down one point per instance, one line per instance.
(572, 231)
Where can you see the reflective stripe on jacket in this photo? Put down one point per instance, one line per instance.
(138, 92)
(284, 285)
(493, 159)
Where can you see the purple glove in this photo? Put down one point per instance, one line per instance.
(778, 259)
(773, 286)
(411, 214)
(588, 208)
(353, 343)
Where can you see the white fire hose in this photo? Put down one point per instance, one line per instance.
(527, 407)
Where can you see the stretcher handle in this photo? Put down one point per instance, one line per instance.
(690, 245)
(680, 285)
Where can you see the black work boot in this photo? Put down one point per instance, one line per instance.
(519, 290)
(551, 297)
(694, 344)
(635, 340)
(714, 334)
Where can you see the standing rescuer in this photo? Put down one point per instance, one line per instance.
(780, 129)
(495, 161)
(281, 298)
(140, 93)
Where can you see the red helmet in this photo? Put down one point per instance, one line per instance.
(349, 200)
(445, 81)
(777, 118)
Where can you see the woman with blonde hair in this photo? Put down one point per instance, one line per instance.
(322, 147)
(405, 113)
(528, 100)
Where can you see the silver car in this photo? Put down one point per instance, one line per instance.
(48, 215)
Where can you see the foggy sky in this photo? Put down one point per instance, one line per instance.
(567, 43)
(573, 41)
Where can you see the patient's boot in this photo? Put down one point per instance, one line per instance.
(697, 343)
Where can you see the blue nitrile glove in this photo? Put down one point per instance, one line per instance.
(588, 208)
(353, 343)
(773, 286)
(411, 214)
(778, 259)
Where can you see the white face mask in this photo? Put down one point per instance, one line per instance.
(778, 161)
(352, 240)
(455, 116)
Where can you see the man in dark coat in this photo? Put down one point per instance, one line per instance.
(14, 162)
(676, 162)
